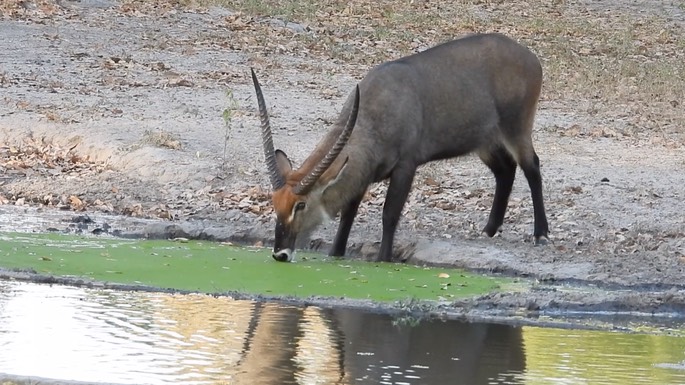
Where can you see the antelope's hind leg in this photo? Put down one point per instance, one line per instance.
(503, 165)
(531, 169)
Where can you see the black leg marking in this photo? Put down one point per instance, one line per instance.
(532, 173)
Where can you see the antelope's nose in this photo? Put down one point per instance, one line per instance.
(285, 255)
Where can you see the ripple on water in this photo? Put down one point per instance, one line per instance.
(88, 335)
(119, 337)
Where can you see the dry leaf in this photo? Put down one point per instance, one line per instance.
(76, 203)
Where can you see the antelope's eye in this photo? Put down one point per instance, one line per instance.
(300, 206)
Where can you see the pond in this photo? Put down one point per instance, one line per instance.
(62, 334)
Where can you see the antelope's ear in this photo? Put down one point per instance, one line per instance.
(331, 176)
(283, 163)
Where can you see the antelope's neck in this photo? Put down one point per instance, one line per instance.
(349, 186)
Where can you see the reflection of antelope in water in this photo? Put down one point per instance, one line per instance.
(291, 345)
(288, 345)
(268, 343)
(249, 342)
(452, 352)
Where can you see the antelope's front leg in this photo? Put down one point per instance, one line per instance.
(398, 191)
(346, 219)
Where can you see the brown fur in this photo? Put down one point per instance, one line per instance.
(475, 94)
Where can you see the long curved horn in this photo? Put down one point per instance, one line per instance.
(277, 180)
(308, 181)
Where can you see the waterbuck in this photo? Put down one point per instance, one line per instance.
(474, 94)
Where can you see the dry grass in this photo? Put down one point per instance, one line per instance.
(28, 8)
(582, 49)
(43, 155)
(617, 62)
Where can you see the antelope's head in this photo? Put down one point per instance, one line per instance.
(297, 192)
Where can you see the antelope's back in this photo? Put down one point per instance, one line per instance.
(448, 100)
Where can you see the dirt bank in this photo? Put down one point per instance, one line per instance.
(108, 108)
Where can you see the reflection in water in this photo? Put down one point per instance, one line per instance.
(86, 335)
(375, 352)
(585, 357)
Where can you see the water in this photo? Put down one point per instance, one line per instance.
(72, 334)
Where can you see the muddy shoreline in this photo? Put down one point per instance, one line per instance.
(536, 301)
(559, 305)
(115, 115)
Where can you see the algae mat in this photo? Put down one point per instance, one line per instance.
(211, 267)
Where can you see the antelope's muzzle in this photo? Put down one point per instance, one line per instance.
(284, 243)
(285, 255)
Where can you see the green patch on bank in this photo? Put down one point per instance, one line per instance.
(214, 268)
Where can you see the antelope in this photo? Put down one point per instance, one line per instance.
(477, 94)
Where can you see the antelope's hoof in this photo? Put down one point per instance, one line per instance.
(490, 230)
(541, 240)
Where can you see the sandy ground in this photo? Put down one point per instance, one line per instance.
(111, 112)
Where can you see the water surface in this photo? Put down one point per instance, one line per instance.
(73, 334)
